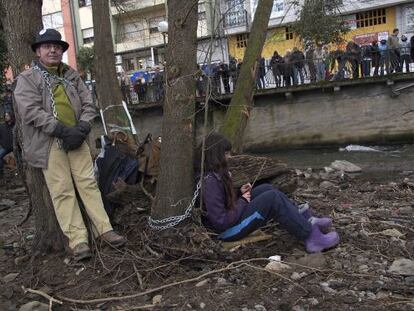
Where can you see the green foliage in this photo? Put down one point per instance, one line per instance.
(319, 21)
(85, 59)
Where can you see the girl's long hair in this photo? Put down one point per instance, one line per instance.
(215, 161)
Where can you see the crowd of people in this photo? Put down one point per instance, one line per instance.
(316, 63)
(319, 63)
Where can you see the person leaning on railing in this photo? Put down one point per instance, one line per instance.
(405, 51)
(393, 44)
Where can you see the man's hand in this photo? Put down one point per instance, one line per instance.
(84, 127)
(72, 137)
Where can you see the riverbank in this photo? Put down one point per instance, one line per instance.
(187, 270)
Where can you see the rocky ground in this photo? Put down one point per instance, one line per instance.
(372, 269)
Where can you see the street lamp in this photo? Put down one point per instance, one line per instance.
(163, 28)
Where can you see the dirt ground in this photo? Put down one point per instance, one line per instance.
(186, 270)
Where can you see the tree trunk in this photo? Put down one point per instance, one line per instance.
(107, 87)
(242, 101)
(175, 184)
(20, 31)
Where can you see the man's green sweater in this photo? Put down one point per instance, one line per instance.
(64, 109)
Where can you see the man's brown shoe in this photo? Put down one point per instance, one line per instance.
(113, 239)
(81, 252)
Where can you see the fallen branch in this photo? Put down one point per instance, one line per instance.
(44, 295)
(229, 267)
(139, 277)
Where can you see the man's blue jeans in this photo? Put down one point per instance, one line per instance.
(268, 203)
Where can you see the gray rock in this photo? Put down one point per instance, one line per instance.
(277, 266)
(382, 295)
(337, 265)
(10, 277)
(345, 166)
(20, 261)
(327, 185)
(402, 266)
(202, 283)
(313, 261)
(307, 175)
(363, 268)
(259, 307)
(409, 280)
(313, 301)
(34, 306)
(30, 237)
(326, 288)
(156, 300)
(221, 281)
(298, 308)
(202, 305)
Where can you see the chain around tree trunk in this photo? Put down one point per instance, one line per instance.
(173, 221)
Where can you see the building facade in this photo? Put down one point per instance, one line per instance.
(368, 20)
(223, 27)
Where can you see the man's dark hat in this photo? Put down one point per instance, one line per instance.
(49, 36)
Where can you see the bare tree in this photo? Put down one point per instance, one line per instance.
(174, 188)
(242, 101)
(109, 92)
(21, 19)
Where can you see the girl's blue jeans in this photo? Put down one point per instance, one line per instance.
(268, 203)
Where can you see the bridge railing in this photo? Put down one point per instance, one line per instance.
(289, 73)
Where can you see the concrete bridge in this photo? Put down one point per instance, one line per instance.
(369, 110)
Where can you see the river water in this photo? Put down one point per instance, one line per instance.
(387, 160)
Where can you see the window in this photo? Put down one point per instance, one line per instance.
(371, 18)
(235, 5)
(409, 15)
(278, 6)
(288, 33)
(153, 23)
(131, 31)
(87, 35)
(85, 3)
(53, 20)
(130, 64)
(241, 40)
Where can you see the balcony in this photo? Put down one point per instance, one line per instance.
(235, 19)
(123, 6)
(139, 39)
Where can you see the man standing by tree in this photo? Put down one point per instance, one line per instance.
(55, 109)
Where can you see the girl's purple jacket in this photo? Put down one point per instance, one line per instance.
(219, 217)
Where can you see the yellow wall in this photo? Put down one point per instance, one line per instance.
(275, 38)
(389, 26)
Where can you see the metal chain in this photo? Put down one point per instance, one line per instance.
(172, 221)
(46, 76)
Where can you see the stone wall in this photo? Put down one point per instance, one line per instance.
(355, 112)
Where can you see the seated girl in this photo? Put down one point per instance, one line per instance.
(235, 215)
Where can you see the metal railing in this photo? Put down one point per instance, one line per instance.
(290, 74)
(234, 18)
